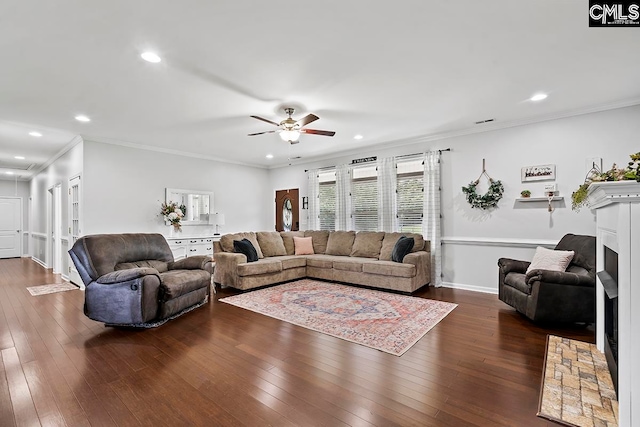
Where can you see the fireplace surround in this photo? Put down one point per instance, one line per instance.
(617, 209)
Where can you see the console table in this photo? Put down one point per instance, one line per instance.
(617, 209)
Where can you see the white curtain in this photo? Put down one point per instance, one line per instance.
(343, 198)
(387, 200)
(431, 220)
(313, 213)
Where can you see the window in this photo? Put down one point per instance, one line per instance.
(327, 199)
(410, 196)
(364, 198)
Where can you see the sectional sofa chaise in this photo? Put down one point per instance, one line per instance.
(362, 258)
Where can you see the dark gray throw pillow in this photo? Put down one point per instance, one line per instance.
(245, 247)
(402, 247)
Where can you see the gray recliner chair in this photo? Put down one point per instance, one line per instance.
(132, 279)
(553, 296)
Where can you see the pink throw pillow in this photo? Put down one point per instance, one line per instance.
(303, 245)
(548, 259)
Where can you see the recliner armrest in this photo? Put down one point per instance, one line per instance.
(560, 277)
(196, 262)
(508, 265)
(120, 276)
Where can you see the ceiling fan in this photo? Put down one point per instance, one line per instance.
(291, 129)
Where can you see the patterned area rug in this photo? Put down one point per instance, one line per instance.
(388, 322)
(50, 289)
(576, 386)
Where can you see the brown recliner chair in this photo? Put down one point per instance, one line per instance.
(553, 296)
(132, 279)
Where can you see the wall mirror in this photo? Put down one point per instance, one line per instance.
(198, 205)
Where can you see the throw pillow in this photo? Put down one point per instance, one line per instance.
(245, 247)
(226, 241)
(287, 240)
(402, 248)
(549, 259)
(303, 245)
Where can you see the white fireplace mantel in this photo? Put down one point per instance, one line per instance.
(617, 209)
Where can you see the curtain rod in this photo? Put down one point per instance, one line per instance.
(397, 157)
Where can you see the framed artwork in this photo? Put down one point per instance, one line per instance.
(538, 173)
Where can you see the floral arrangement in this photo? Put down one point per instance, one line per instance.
(631, 173)
(484, 201)
(173, 213)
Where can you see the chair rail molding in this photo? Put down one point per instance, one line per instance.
(499, 241)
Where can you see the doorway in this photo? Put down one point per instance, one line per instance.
(55, 228)
(287, 216)
(10, 227)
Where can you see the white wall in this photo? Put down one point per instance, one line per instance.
(15, 188)
(64, 167)
(514, 229)
(124, 187)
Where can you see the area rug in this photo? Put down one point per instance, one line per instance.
(385, 321)
(576, 385)
(50, 289)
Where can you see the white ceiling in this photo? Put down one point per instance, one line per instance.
(386, 70)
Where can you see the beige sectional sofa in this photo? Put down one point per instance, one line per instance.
(362, 258)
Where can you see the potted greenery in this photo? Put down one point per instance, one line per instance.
(631, 173)
(525, 193)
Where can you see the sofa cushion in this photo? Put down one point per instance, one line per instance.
(263, 266)
(340, 243)
(161, 266)
(319, 239)
(389, 268)
(518, 281)
(176, 283)
(271, 243)
(226, 241)
(367, 244)
(290, 261)
(287, 240)
(390, 240)
(303, 245)
(245, 247)
(321, 261)
(351, 264)
(402, 248)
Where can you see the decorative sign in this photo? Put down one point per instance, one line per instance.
(538, 173)
(364, 160)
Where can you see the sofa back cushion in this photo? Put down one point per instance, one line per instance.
(161, 266)
(319, 239)
(226, 241)
(287, 240)
(271, 243)
(390, 240)
(340, 243)
(584, 248)
(367, 244)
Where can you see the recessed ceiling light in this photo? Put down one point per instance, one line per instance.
(19, 157)
(82, 118)
(35, 133)
(9, 173)
(269, 156)
(358, 137)
(151, 57)
(539, 97)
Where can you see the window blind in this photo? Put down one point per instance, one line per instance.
(410, 196)
(327, 199)
(364, 198)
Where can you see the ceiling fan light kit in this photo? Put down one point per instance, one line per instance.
(290, 129)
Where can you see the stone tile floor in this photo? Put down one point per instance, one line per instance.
(577, 389)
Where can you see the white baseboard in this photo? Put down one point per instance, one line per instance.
(42, 263)
(473, 288)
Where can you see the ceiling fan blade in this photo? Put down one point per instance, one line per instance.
(261, 133)
(266, 120)
(307, 119)
(318, 132)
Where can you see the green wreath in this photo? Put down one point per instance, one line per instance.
(484, 201)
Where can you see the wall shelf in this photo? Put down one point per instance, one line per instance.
(539, 199)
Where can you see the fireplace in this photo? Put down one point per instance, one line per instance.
(609, 279)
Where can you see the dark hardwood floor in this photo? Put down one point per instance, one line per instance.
(222, 365)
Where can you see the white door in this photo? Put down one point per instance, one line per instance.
(74, 225)
(10, 227)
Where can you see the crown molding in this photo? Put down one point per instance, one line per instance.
(470, 131)
(171, 151)
(74, 141)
